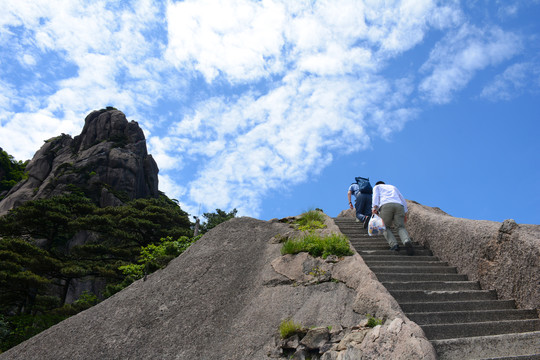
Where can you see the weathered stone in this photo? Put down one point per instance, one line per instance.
(316, 338)
(291, 342)
(395, 326)
(501, 256)
(326, 347)
(507, 226)
(353, 353)
(218, 306)
(211, 302)
(332, 259)
(330, 355)
(336, 333)
(303, 268)
(352, 338)
(108, 160)
(301, 353)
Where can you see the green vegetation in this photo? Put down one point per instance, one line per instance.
(131, 241)
(372, 321)
(317, 271)
(288, 328)
(157, 256)
(317, 245)
(11, 171)
(216, 218)
(18, 328)
(311, 220)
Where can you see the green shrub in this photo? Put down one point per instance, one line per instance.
(311, 220)
(317, 245)
(288, 328)
(22, 327)
(313, 225)
(372, 321)
(87, 299)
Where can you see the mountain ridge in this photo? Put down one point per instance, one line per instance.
(108, 161)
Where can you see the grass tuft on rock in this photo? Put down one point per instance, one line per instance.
(288, 328)
(373, 321)
(317, 245)
(310, 216)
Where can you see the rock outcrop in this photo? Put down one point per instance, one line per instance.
(502, 256)
(108, 160)
(225, 297)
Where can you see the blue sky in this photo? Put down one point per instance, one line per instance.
(273, 107)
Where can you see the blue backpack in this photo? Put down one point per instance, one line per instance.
(364, 185)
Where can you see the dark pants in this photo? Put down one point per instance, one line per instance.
(363, 206)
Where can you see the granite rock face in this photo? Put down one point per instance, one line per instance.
(502, 256)
(109, 160)
(225, 297)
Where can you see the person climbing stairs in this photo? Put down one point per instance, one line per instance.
(460, 319)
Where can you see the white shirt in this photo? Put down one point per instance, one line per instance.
(384, 194)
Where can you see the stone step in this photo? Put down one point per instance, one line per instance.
(450, 309)
(472, 305)
(385, 246)
(407, 277)
(363, 233)
(394, 258)
(421, 296)
(453, 317)
(400, 262)
(450, 331)
(405, 261)
(413, 269)
(366, 237)
(402, 251)
(507, 346)
(432, 285)
(368, 242)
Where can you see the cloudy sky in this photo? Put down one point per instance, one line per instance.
(274, 106)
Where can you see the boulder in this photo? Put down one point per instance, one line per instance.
(108, 160)
(316, 338)
(502, 256)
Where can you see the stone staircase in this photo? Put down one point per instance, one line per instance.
(461, 320)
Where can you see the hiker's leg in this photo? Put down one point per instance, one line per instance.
(387, 214)
(399, 223)
(363, 206)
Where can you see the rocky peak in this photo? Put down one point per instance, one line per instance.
(107, 125)
(108, 161)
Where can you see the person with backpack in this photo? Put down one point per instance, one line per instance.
(392, 208)
(362, 191)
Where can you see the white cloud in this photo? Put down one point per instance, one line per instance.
(242, 39)
(166, 151)
(245, 40)
(512, 82)
(257, 144)
(285, 87)
(21, 139)
(89, 53)
(455, 59)
(171, 188)
(325, 103)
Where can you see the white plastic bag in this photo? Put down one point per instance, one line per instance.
(376, 225)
